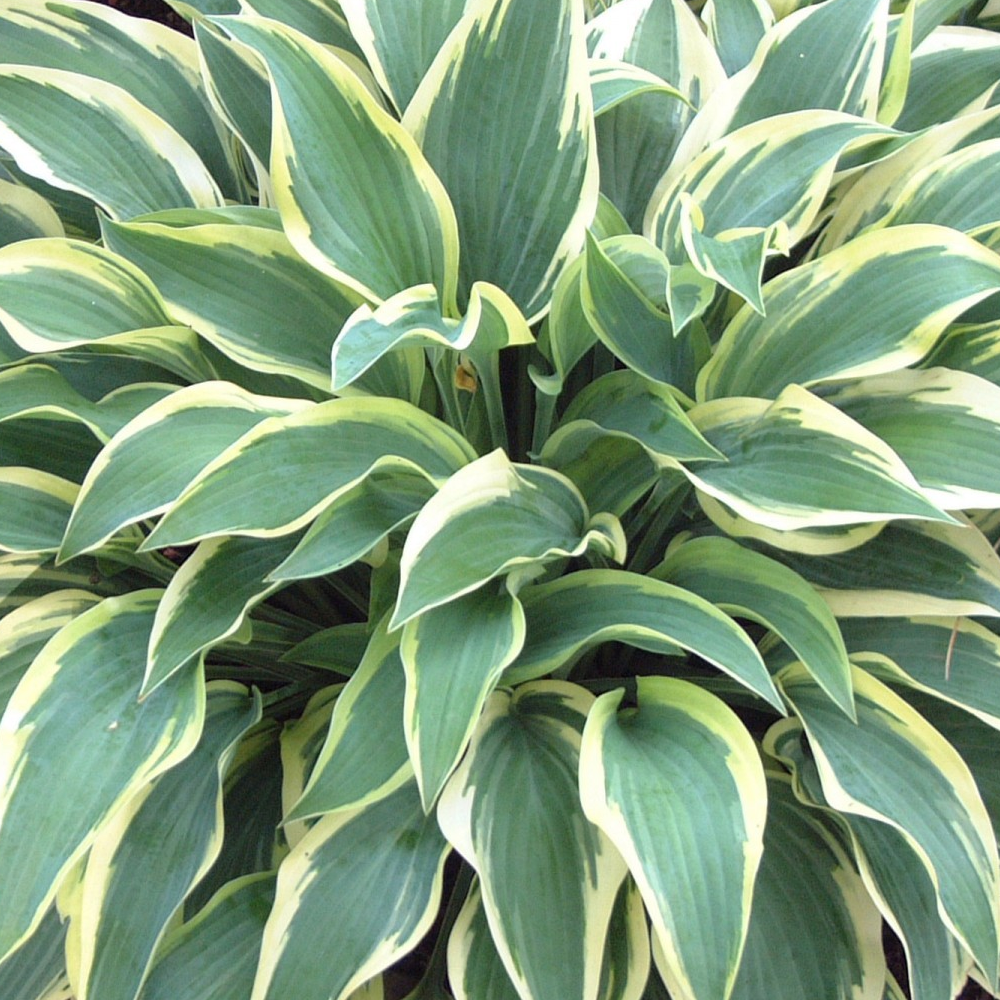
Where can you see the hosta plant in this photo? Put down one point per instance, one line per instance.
(498, 500)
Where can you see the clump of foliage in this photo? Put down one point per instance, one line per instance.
(498, 499)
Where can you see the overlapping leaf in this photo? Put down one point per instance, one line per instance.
(679, 777)
(515, 789)
(334, 152)
(525, 188)
(85, 680)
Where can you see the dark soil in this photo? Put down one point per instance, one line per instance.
(155, 10)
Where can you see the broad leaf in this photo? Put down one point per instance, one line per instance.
(490, 518)
(525, 188)
(772, 476)
(134, 162)
(364, 756)
(150, 461)
(517, 789)
(323, 450)
(569, 615)
(87, 679)
(749, 585)
(678, 777)
(284, 321)
(454, 655)
(914, 280)
(214, 955)
(356, 854)
(147, 858)
(892, 766)
(333, 149)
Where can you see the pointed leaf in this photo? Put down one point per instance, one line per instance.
(628, 404)
(400, 39)
(414, 318)
(284, 321)
(914, 280)
(525, 189)
(322, 450)
(749, 585)
(157, 66)
(454, 655)
(941, 423)
(214, 955)
(515, 789)
(635, 329)
(569, 615)
(908, 568)
(208, 600)
(335, 149)
(134, 162)
(772, 476)
(490, 518)
(147, 858)
(389, 843)
(894, 767)
(816, 934)
(680, 777)
(893, 873)
(86, 681)
(637, 141)
(149, 462)
(364, 756)
(916, 653)
(51, 289)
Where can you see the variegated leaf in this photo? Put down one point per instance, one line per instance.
(490, 518)
(525, 188)
(25, 630)
(334, 147)
(766, 180)
(85, 680)
(214, 955)
(323, 450)
(973, 60)
(954, 659)
(816, 934)
(149, 855)
(629, 405)
(747, 584)
(814, 330)
(135, 161)
(894, 875)
(284, 321)
(516, 788)
(892, 766)
(908, 568)
(149, 462)
(65, 293)
(679, 776)
(571, 614)
(354, 854)
(414, 318)
(156, 66)
(25, 215)
(34, 509)
(37, 970)
(772, 476)
(209, 598)
(364, 756)
(453, 656)
(637, 141)
(400, 39)
(941, 423)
